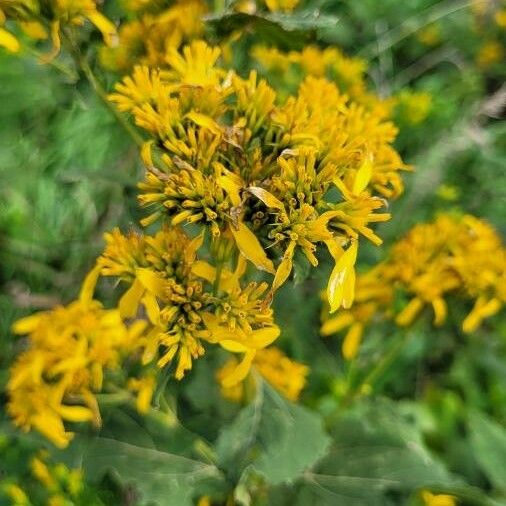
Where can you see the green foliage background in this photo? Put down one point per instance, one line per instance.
(436, 415)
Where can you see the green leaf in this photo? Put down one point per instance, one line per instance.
(159, 477)
(488, 440)
(273, 437)
(375, 451)
(275, 27)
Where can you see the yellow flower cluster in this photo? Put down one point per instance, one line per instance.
(489, 22)
(152, 29)
(285, 375)
(274, 177)
(40, 20)
(69, 350)
(331, 63)
(460, 256)
(188, 302)
(234, 174)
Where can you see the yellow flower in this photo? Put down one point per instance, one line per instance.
(372, 295)
(41, 471)
(33, 18)
(196, 66)
(489, 54)
(281, 5)
(285, 375)
(224, 154)
(16, 494)
(145, 40)
(271, 58)
(70, 349)
(500, 18)
(145, 388)
(449, 256)
(431, 499)
(414, 107)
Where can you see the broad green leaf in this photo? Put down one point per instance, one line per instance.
(159, 477)
(375, 451)
(273, 437)
(488, 440)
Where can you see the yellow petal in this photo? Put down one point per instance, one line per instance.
(409, 313)
(8, 41)
(251, 248)
(285, 267)
(233, 346)
(239, 372)
(152, 309)
(151, 281)
(148, 220)
(261, 338)
(232, 185)
(105, 26)
(335, 249)
(27, 324)
(34, 30)
(89, 283)
(440, 310)
(363, 176)
(341, 286)
(51, 426)
(184, 363)
(146, 157)
(481, 310)
(151, 346)
(336, 324)
(129, 302)
(352, 340)
(168, 356)
(194, 245)
(267, 198)
(204, 270)
(75, 413)
(204, 121)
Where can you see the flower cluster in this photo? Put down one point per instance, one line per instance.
(331, 63)
(151, 30)
(460, 256)
(489, 23)
(68, 353)
(41, 20)
(277, 177)
(242, 182)
(187, 301)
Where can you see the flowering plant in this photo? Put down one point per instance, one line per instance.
(188, 369)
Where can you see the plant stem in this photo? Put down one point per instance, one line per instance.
(366, 385)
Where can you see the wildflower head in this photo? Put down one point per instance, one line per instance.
(70, 349)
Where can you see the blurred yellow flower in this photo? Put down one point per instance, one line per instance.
(430, 499)
(285, 375)
(489, 54)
